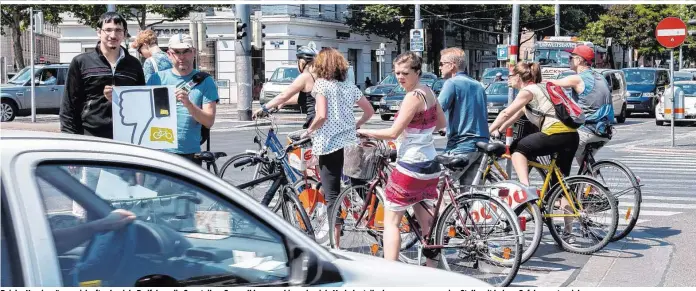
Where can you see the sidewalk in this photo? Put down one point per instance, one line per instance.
(226, 117)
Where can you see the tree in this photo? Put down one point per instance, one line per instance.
(89, 14)
(16, 18)
(388, 21)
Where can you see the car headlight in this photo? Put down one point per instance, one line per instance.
(368, 90)
(649, 94)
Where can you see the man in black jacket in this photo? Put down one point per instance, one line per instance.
(85, 108)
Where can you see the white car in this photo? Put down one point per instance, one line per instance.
(689, 89)
(192, 228)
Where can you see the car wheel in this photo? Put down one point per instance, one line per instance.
(8, 110)
(385, 117)
(623, 115)
(652, 111)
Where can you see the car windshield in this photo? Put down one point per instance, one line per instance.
(689, 89)
(639, 76)
(389, 80)
(497, 89)
(490, 73)
(552, 57)
(284, 75)
(22, 77)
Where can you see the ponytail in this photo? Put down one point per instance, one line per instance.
(535, 72)
(528, 72)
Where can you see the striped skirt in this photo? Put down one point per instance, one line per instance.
(410, 183)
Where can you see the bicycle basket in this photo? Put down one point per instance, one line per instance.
(361, 161)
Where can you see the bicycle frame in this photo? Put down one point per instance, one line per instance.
(550, 170)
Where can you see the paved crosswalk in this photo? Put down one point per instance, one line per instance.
(669, 181)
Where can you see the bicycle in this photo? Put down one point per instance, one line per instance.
(572, 188)
(632, 192)
(358, 210)
(287, 197)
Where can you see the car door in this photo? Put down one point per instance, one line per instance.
(59, 88)
(48, 95)
(620, 98)
(185, 233)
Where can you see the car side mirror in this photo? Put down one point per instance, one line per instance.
(306, 269)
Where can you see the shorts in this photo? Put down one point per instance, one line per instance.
(587, 137)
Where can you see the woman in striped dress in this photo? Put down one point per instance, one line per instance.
(416, 175)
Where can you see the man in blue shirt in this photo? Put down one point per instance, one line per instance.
(194, 108)
(463, 100)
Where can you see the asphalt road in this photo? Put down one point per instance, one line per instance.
(657, 253)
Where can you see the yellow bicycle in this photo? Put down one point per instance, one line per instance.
(572, 209)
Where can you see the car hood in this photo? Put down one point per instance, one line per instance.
(497, 98)
(381, 89)
(395, 96)
(641, 87)
(363, 270)
(10, 86)
(275, 87)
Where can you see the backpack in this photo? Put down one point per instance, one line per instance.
(566, 109)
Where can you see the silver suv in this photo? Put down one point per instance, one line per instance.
(16, 94)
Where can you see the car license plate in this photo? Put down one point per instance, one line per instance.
(630, 106)
(493, 110)
(393, 107)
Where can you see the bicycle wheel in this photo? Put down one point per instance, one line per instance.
(363, 236)
(624, 185)
(481, 238)
(294, 213)
(598, 219)
(239, 175)
(531, 223)
(315, 205)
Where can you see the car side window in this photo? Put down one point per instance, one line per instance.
(183, 232)
(615, 83)
(62, 76)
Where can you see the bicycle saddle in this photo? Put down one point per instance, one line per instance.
(458, 162)
(595, 145)
(498, 149)
(209, 156)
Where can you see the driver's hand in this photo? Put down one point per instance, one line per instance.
(116, 220)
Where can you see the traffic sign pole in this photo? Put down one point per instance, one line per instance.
(671, 81)
(671, 33)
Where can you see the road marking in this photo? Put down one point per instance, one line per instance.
(623, 221)
(652, 212)
(667, 205)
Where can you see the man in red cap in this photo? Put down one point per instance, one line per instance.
(592, 93)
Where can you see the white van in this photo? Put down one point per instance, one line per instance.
(281, 79)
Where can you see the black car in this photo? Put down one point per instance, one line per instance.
(375, 93)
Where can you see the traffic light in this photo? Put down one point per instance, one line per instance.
(240, 30)
(259, 34)
(692, 22)
(38, 22)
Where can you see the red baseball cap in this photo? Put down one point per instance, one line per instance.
(585, 52)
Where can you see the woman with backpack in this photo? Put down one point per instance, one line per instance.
(554, 136)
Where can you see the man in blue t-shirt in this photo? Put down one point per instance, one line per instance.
(194, 108)
(463, 100)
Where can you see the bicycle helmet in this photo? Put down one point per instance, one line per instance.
(306, 53)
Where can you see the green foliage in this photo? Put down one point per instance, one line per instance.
(381, 20)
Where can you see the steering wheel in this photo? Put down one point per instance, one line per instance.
(106, 255)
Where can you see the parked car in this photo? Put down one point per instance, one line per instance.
(617, 84)
(281, 79)
(16, 94)
(645, 86)
(689, 70)
(689, 89)
(489, 74)
(192, 228)
(391, 103)
(375, 93)
(497, 98)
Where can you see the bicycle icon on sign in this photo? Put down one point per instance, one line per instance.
(161, 134)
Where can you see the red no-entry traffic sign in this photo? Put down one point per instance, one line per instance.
(671, 32)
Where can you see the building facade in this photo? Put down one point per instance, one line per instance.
(287, 27)
(46, 48)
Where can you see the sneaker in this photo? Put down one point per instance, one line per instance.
(568, 237)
